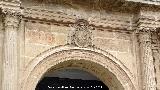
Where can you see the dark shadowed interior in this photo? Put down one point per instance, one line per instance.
(70, 79)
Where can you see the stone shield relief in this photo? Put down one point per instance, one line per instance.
(81, 35)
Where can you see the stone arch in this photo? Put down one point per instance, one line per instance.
(98, 58)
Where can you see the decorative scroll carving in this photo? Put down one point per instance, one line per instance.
(81, 35)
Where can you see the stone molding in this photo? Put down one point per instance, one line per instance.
(62, 18)
(59, 54)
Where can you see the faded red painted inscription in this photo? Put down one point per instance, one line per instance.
(35, 36)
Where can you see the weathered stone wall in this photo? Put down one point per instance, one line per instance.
(113, 32)
(117, 43)
(39, 37)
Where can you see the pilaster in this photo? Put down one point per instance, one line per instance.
(11, 20)
(146, 26)
(146, 57)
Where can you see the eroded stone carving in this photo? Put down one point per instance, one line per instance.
(81, 36)
(148, 74)
(145, 30)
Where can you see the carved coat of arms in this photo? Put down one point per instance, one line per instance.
(81, 36)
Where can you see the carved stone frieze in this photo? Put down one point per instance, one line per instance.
(81, 35)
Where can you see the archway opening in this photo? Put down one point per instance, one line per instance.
(70, 79)
(78, 70)
(95, 61)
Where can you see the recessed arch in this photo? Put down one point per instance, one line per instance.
(84, 57)
(71, 73)
(96, 70)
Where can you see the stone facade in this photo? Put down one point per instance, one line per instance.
(116, 40)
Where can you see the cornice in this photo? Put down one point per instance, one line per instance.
(146, 23)
(99, 22)
(51, 16)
